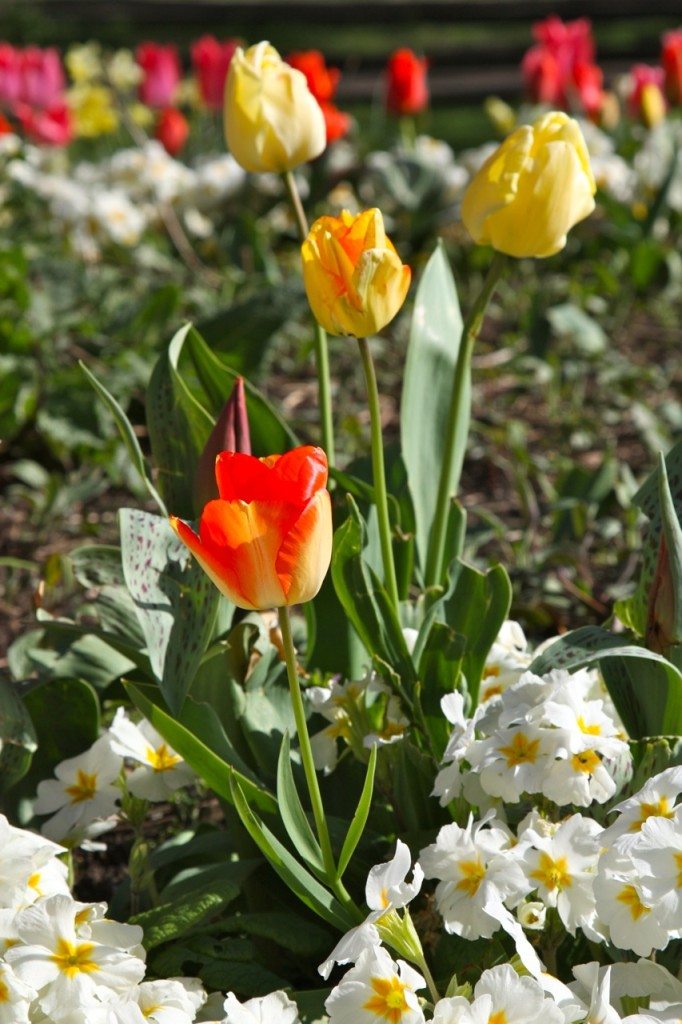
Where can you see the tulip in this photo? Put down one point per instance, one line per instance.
(671, 59)
(542, 77)
(353, 276)
(211, 61)
(51, 127)
(407, 89)
(266, 541)
(646, 99)
(272, 120)
(231, 433)
(322, 82)
(588, 80)
(172, 130)
(42, 78)
(10, 75)
(532, 190)
(569, 42)
(161, 69)
(336, 122)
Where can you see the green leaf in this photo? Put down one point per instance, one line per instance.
(215, 771)
(440, 666)
(365, 600)
(172, 920)
(434, 343)
(175, 446)
(128, 436)
(175, 601)
(295, 934)
(292, 814)
(18, 740)
(577, 327)
(301, 882)
(646, 688)
(357, 825)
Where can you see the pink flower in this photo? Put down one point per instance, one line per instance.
(52, 126)
(10, 75)
(161, 69)
(211, 60)
(646, 98)
(42, 77)
(568, 41)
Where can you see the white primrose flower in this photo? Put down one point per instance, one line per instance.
(164, 1002)
(507, 660)
(350, 946)
(514, 761)
(387, 887)
(531, 915)
(119, 220)
(375, 991)
(83, 794)
(579, 779)
(471, 864)
(657, 798)
(562, 867)
(640, 980)
(500, 997)
(29, 867)
(622, 905)
(161, 771)
(67, 972)
(15, 997)
(658, 856)
(448, 784)
(584, 722)
(276, 1007)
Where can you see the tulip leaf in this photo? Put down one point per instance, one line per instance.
(440, 666)
(357, 825)
(293, 816)
(648, 696)
(128, 436)
(299, 880)
(171, 920)
(213, 769)
(427, 387)
(175, 601)
(365, 600)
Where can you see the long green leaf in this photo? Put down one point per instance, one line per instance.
(357, 825)
(293, 816)
(300, 881)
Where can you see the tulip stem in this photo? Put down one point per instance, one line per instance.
(321, 348)
(451, 469)
(379, 474)
(304, 743)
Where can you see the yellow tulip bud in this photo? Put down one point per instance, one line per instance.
(353, 276)
(272, 120)
(652, 105)
(532, 190)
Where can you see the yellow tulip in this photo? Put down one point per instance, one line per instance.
(652, 105)
(353, 276)
(532, 190)
(272, 120)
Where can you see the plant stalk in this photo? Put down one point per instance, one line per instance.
(448, 484)
(379, 473)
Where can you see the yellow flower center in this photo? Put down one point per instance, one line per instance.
(521, 750)
(4, 993)
(630, 897)
(388, 1002)
(491, 669)
(74, 959)
(34, 882)
(84, 788)
(589, 730)
(553, 874)
(586, 761)
(150, 1010)
(499, 1017)
(492, 691)
(677, 857)
(473, 873)
(384, 897)
(162, 759)
(661, 809)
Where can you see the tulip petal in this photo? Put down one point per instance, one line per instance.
(304, 555)
(293, 477)
(215, 567)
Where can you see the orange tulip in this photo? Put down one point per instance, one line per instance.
(267, 540)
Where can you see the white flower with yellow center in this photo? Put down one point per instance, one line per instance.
(532, 915)
(387, 887)
(624, 907)
(584, 722)
(562, 868)
(474, 866)
(350, 947)
(29, 867)
(449, 780)
(506, 662)
(15, 997)
(67, 971)
(376, 991)
(500, 997)
(658, 856)
(579, 779)
(161, 771)
(513, 761)
(83, 794)
(657, 798)
(275, 1007)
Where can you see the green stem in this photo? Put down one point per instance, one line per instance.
(321, 348)
(428, 978)
(448, 484)
(304, 743)
(379, 473)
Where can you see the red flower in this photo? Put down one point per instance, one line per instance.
(52, 127)
(10, 76)
(5, 126)
(671, 59)
(267, 540)
(646, 99)
(336, 121)
(161, 69)
(322, 81)
(542, 77)
(42, 78)
(589, 86)
(407, 89)
(568, 41)
(211, 61)
(172, 130)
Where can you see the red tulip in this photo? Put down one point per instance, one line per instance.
(42, 77)
(52, 127)
(5, 126)
(172, 129)
(589, 86)
(211, 62)
(407, 89)
(337, 122)
(542, 77)
(322, 81)
(266, 541)
(161, 69)
(671, 59)
(10, 76)
(568, 41)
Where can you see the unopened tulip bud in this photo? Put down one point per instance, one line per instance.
(230, 434)
(653, 105)
(500, 115)
(664, 616)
